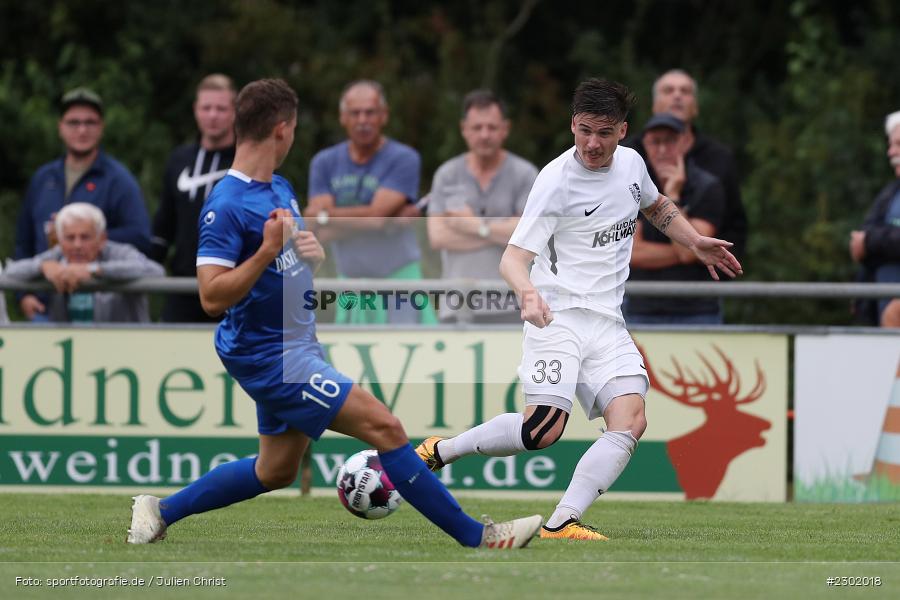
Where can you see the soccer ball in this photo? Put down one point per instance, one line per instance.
(364, 487)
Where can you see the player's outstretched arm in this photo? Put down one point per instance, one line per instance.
(223, 287)
(712, 252)
(514, 270)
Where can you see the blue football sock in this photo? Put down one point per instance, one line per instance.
(226, 484)
(427, 494)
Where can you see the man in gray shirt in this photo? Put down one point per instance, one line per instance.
(475, 202)
(84, 254)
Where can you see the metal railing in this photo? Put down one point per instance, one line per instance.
(723, 289)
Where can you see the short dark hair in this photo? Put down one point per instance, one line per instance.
(262, 105)
(603, 98)
(482, 98)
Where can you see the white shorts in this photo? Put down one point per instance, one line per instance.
(578, 354)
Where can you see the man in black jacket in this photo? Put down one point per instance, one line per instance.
(191, 172)
(877, 245)
(701, 198)
(675, 92)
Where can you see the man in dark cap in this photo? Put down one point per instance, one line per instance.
(83, 174)
(675, 92)
(701, 198)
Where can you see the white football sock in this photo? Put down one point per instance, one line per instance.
(501, 436)
(597, 470)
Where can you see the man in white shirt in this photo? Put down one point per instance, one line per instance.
(578, 228)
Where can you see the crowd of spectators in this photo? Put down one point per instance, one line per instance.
(83, 217)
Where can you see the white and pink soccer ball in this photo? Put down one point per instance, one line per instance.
(364, 487)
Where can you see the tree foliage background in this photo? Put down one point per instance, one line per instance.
(799, 89)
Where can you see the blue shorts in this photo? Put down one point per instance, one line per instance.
(301, 391)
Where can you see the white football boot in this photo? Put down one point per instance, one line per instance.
(510, 534)
(147, 526)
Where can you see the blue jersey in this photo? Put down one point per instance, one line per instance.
(273, 317)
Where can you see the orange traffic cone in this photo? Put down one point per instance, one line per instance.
(887, 455)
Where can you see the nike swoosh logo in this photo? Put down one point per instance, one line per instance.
(588, 213)
(186, 183)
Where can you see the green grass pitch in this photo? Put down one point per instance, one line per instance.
(293, 547)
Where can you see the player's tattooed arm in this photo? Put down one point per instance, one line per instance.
(662, 213)
(712, 252)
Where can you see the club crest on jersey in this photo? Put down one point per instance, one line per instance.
(635, 190)
(209, 218)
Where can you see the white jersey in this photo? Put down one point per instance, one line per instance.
(581, 225)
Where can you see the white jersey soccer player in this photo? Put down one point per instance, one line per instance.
(580, 223)
(577, 229)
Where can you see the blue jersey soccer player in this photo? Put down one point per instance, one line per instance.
(246, 268)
